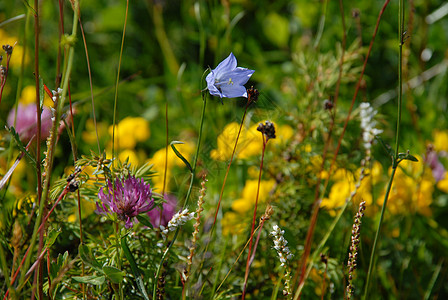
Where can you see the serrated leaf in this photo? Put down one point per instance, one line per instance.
(180, 155)
(95, 280)
(88, 258)
(113, 274)
(134, 268)
(55, 267)
(145, 220)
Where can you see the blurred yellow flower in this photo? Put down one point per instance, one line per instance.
(342, 187)
(71, 218)
(158, 162)
(28, 96)
(89, 135)
(16, 57)
(235, 221)
(250, 141)
(249, 193)
(411, 190)
(232, 223)
(129, 131)
(130, 155)
(345, 183)
(440, 140)
(226, 141)
(443, 184)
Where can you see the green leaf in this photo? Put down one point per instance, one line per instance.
(407, 156)
(41, 92)
(88, 258)
(95, 280)
(21, 146)
(180, 155)
(51, 237)
(386, 146)
(145, 220)
(134, 268)
(71, 137)
(113, 274)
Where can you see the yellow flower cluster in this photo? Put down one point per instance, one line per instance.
(412, 189)
(28, 96)
(440, 140)
(17, 53)
(128, 133)
(158, 162)
(441, 144)
(250, 141)
(344, 185)
(233, 222)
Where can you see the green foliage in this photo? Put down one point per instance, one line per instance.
(306, 74)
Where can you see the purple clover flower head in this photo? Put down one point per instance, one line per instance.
(26, 122)
(227, 80)
(129, 198)
(168, 211)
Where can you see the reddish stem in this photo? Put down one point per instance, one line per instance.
(317, 201)
(8, 58)
(64, 192)
(248, 262)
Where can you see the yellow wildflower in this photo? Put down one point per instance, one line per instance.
(340, 191)
(130, 131)
(372, 177)
(235, 221)
(411, 190)
(443, 184)
(250, 141)
(344, 185)
(158, 162)
(131, 155)
(17, 53)
(226, 141)
(71, 218)
(28, 96)
(440, 140)
(232, 224)
(249, 193)
(89, 135)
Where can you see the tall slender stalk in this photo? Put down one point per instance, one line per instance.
(395, 159)
(248, 261)
(193, 174)
(118, 79)
(302, 266)
(51, 146)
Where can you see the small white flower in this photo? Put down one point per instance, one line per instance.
(179, 219)
(280, 243)
(368, 124)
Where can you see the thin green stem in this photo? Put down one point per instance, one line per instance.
(193, 172)
(316, 206)
(117, 246)
(248, 261)
(118, 80)
(395, 160)
(400, 71)
(375, 242)
(51, 146)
